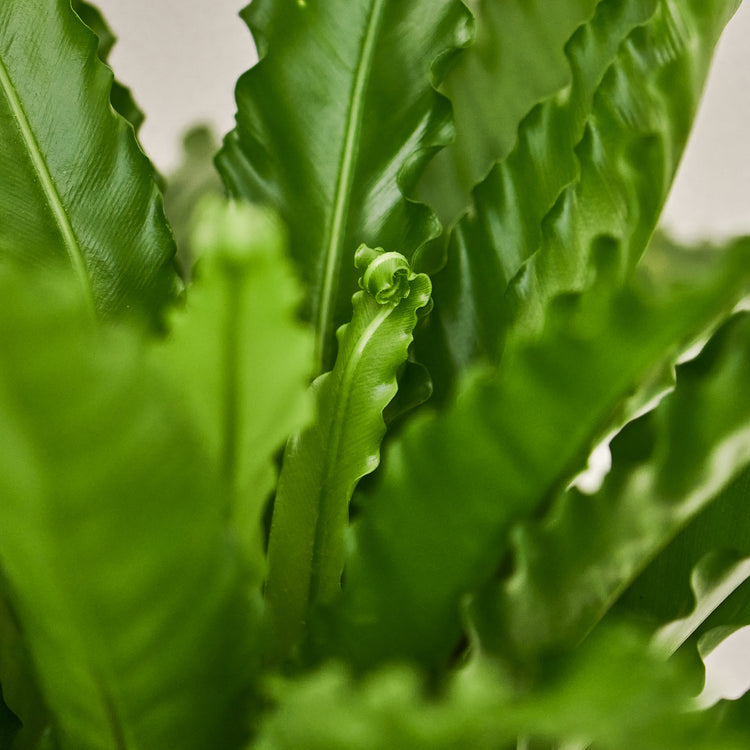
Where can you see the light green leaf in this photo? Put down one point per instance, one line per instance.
(238, 358)
(436, 525)
(597, 159)
(668, 465)
(76, 188)
(126, 580)
(634, 139)
(611, 694)
(717, 578)
(334, 127)
(323, 463)
(516, 62)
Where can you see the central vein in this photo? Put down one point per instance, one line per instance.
(325, 578)
(51, 194)
(335, 241)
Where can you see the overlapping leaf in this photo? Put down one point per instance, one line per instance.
(437, 524)
(598, 158)
(712, 555)
(323, 463)
(667, 466)
(125, 579)
(120, 96)
(239, 359)
(516, 61)
(193, 180)
(75, 189)
(611, 693)
(334, 126)
(640, 121)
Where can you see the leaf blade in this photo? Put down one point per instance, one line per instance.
(498, 449)
(111, 541)
(76, 184)
(516, 61)
(338, 175)
(323, 463)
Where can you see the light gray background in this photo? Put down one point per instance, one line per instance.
(182, 57)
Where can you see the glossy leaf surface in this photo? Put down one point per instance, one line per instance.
(596, 158)
(76, 189)
(323, 463)
(516, 61)
(126, 581)
(334, 126)
(120, 96)
(701, 580)
(437, 524)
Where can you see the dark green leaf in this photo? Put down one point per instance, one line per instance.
(597, 159)
(120, 96)
(334, 127)
(701, 580)
(667, 466)
(76, 189)
(238, 358)
(516, 61)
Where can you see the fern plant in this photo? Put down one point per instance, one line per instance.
(322, 488)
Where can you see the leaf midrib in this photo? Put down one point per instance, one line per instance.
(322, 588)
(47, 182)
(342, 194)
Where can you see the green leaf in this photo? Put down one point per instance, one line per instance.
(120, 96)
(334, 127)
(715, 580)
(238, 358)
(701, 580)
(23, 715)
(634, 139)
(194, 179)
(323, 463)
(516, 62)
(76, 188)
(666, 466)
(597, 159)
(126, 581)
(436, 525)
(611, 694)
